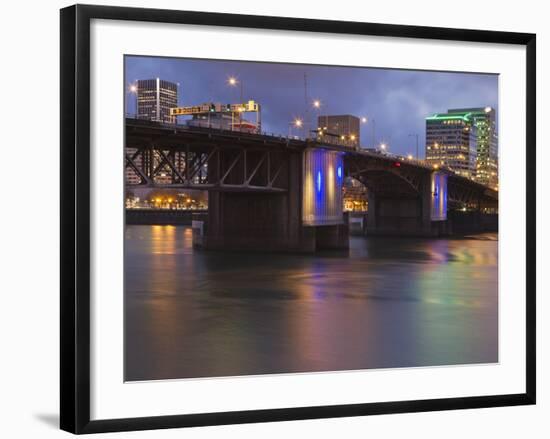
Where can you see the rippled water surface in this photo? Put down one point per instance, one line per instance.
(390, 302)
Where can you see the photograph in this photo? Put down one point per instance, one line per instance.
(285, 218)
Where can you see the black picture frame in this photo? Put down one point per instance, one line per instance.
(75, 217)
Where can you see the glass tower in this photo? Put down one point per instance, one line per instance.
(155, 97)
(465, 140)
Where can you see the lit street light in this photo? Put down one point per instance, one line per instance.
(233, 82)
(317, 105)
(297, 123)
(383, 146)
(133, 89)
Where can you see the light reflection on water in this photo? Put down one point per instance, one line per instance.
(389, 303)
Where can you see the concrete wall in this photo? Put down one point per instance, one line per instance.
(472, 222)
(259, 221)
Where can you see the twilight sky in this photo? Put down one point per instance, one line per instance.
(398, 100)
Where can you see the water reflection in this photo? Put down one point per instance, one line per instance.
(390, 303)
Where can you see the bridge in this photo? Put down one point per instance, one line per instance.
(281, 193)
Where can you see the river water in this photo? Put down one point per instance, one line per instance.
(390, 302)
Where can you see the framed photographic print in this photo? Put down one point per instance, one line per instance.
(269, 218)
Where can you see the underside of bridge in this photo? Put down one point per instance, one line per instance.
(399, 198)
(408, 199)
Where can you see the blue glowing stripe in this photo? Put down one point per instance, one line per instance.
(319, 181)
(339, 172)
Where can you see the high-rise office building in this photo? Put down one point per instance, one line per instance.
(483, 122)
(155, 97)
(450, 142)
(346, 127)
(465, 141)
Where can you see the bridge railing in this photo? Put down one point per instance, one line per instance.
(214, 126)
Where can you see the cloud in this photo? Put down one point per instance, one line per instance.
(397, 100)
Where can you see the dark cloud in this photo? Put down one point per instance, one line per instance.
(397, 100)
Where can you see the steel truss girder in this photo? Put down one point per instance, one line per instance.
(361, 170)
(206, 168)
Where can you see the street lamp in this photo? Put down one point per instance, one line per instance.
(373, 123)
(233, 82)
(298, 123)
(416, 136)
(133, 89)
(317, 105)
(383, 146)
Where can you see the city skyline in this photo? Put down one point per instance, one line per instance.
(396, 100)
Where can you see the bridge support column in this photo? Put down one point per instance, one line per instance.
(332, 237)
(247, 221)
(426, 206)
(307, 217)
(434, 197)
(260, 221)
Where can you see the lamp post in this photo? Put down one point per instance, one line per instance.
(416, 136)
(364, 121)
(233, 82)
(133, 89)
(373, 123)
(298, 123)
(317, 106)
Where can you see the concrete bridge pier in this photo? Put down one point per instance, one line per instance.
(263, 221)
(335, 237)
(294, 220)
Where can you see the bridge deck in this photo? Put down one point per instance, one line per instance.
(142, 134)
